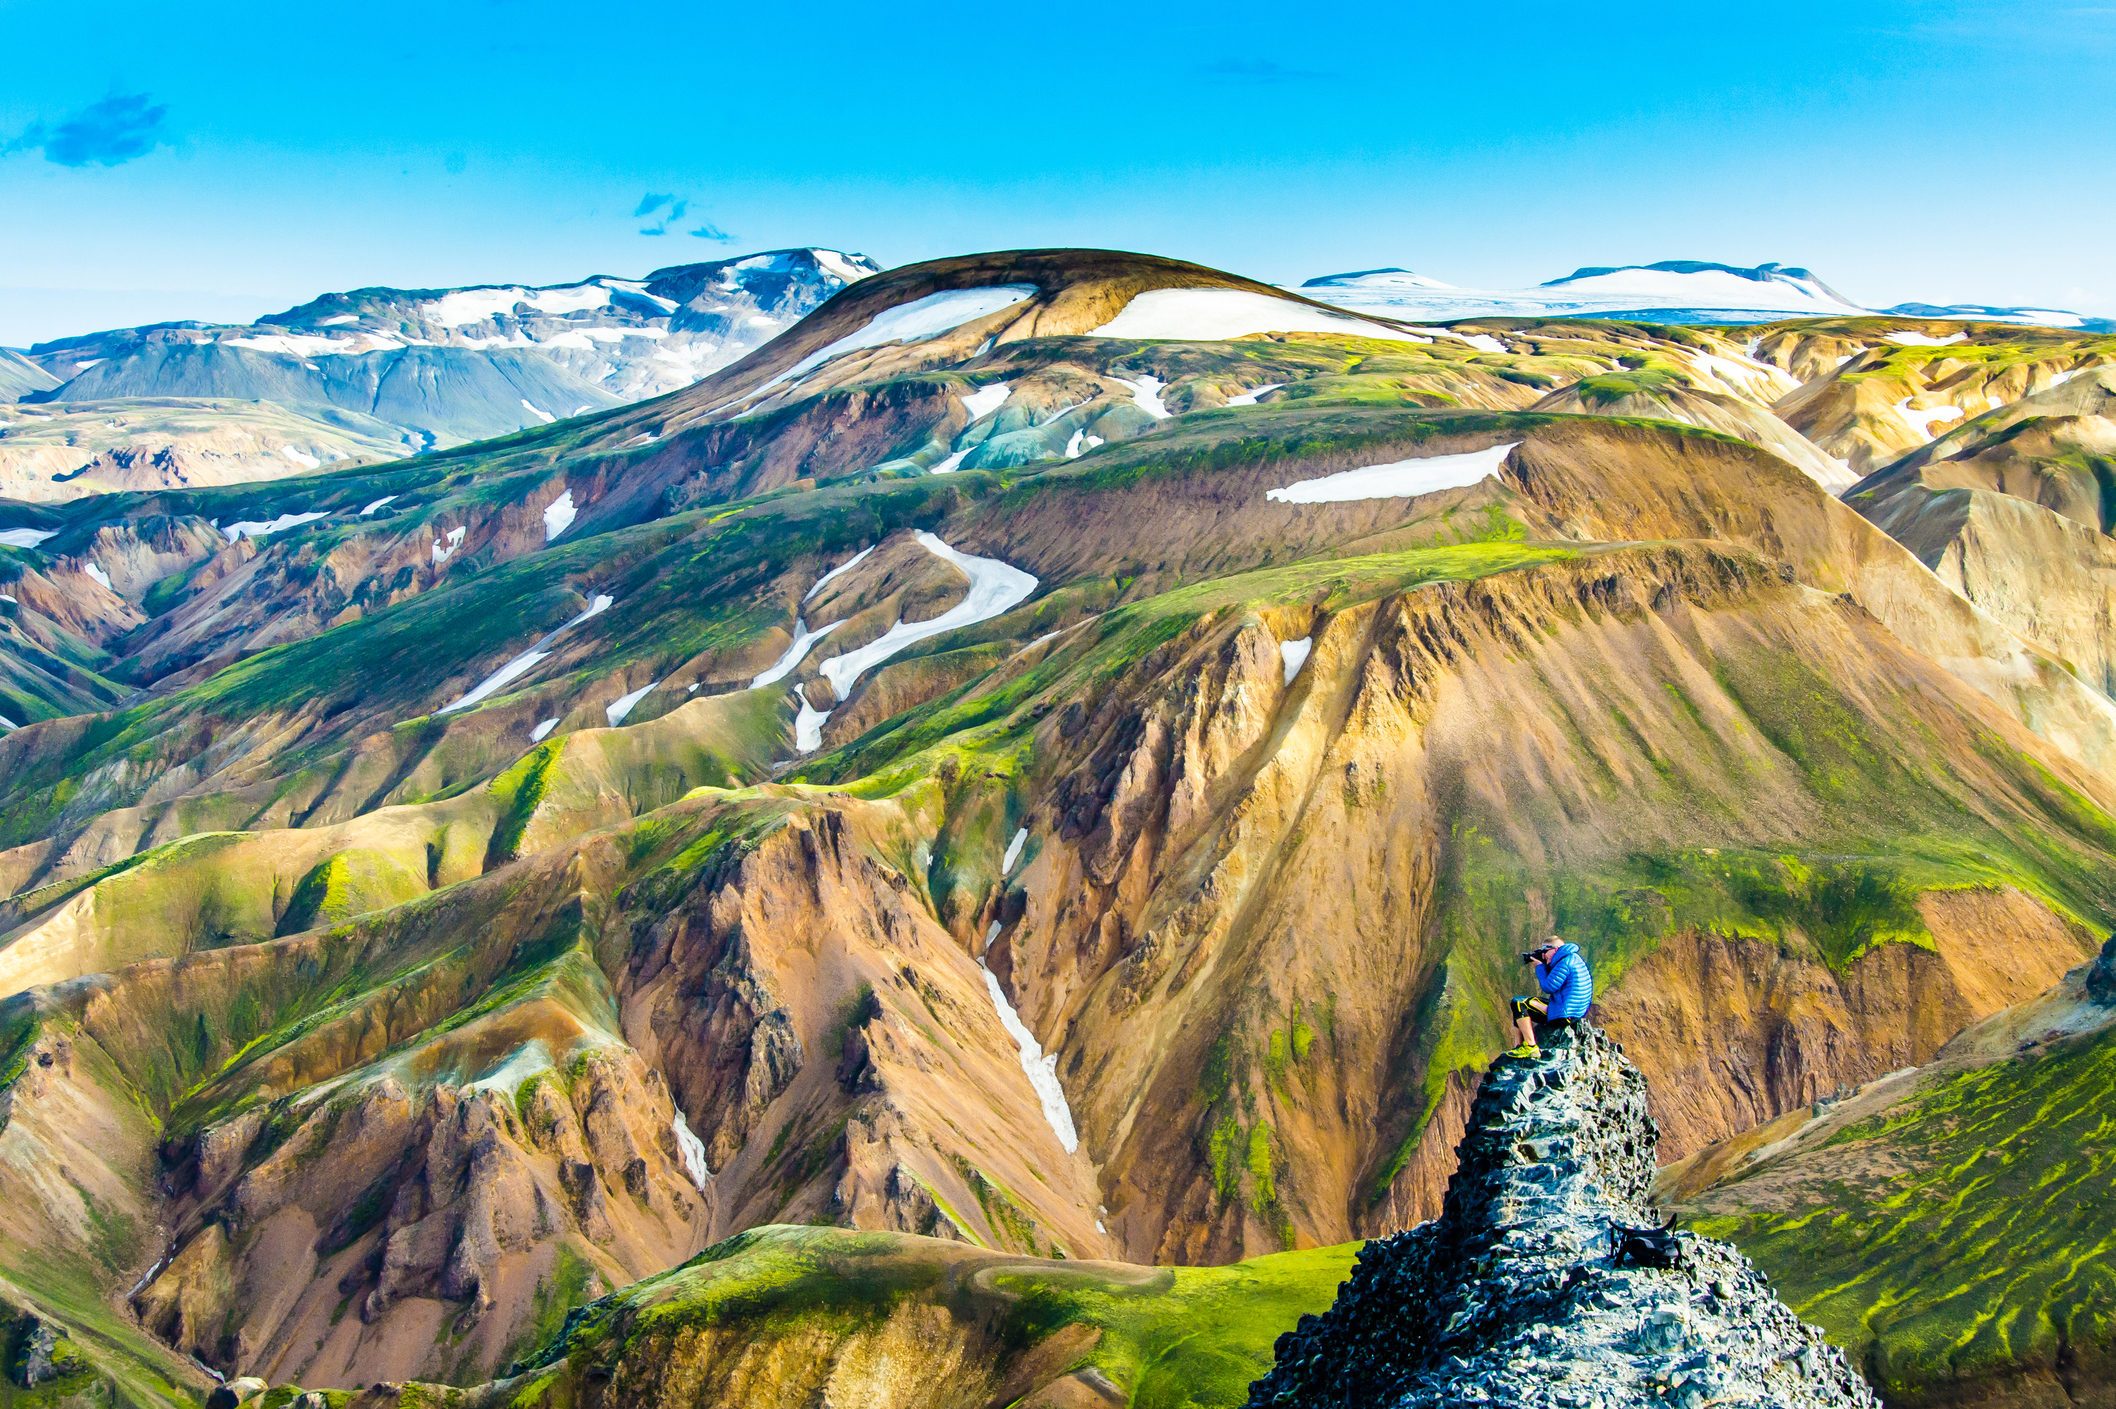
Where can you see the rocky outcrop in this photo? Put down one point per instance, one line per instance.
(1548, 1282)
(2101, 975)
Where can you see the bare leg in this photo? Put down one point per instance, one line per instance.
(1525, 1032)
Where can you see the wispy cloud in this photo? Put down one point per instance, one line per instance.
(1260, 71)
(662, 210)
(116, 130)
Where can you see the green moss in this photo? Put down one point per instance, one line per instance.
(519, 791)
(1964, 1234)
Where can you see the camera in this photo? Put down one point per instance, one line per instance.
(1528, 956)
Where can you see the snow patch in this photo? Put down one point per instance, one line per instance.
(1146, 395)
(455, 541)
(95, 571)
(953, 463)
(507, 1077)
(808, 724)
(691, 1149)
(1911, 337)
(537, 411)
(803, 639)
(1041, 1070)
(542, 730)
(385, 499)
(527, 661)
(1399, 479)
(623, 704)
(985, 400)
(558, 516)
(257, 528)
(995, 588)
(1923, 420)
(1021, 839)
(840, 570)
(455, 309)
(1080, 444)
(1215, 315)
(1248, 398)
(916, 321)
(1294, 655)
(301, 458)
(8, 724)
(25, 537)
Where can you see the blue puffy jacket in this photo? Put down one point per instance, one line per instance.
(1567, 985)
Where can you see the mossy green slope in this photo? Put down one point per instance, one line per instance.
(708, 1334)
(1963, 1242)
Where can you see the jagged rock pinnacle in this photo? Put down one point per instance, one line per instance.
(1526, 1292)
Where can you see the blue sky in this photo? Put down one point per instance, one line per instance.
(221, 160)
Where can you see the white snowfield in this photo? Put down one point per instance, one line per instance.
(692, 1149)
(1704, 288)
(1248, 398)
(953, 463)
(377, 504)
(1020, 839)
(95, 570)
(537, 411)
(795, 653)
(623, 705)
(808, 724)
(1080, 443)
(995, 588)
(453, 310)
(1766, 291)
(8, 724)
(1399, 479)
(1216, 315)
(558, 516)
(1146, 395)
(527, 661)
(1922, 420)
(543, 729)
(25, 537)
(1743, 376)
(916, 321)
(839, 571)
(1911, 337)
(301, 458)
(985, 400)
(1041, 1070)
(1294, 654)
(257, 528)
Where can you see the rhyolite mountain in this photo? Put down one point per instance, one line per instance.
(1055, 753)
(378, 372)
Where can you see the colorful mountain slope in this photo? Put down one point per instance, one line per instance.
(886, 783)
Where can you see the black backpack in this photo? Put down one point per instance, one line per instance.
(1644, 1247)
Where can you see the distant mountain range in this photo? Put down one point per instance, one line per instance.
(390, 353)
(1670, 291)
(432, 367)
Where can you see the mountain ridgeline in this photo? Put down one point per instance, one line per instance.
(990, 834)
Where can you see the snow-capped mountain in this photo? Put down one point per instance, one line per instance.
(1669, 291)
(449, 365)
(1996, 313)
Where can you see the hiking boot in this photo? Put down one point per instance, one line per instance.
(1528, 1050)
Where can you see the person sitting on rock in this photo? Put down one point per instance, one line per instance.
(1567, 986)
